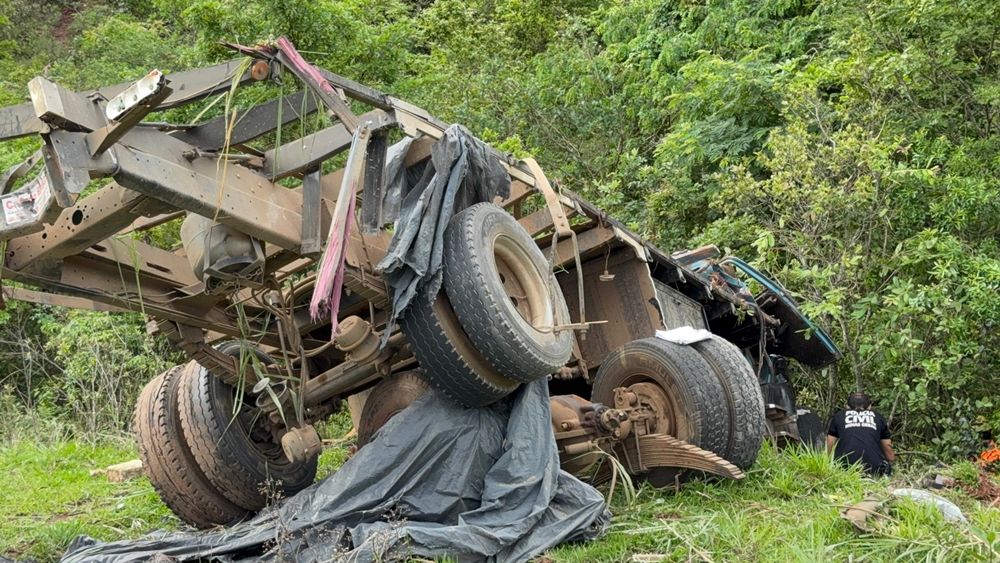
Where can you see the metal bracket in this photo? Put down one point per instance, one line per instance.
(311, 213)
(136, 95)
(71, 166)
(559, 219)
(128, 109)
(576, 326)
(562, 228)
(18, 171)
(374, 189)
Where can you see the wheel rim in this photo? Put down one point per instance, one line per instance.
(526, 288)
(250, 422)
(657, 404)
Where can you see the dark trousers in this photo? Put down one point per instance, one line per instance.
(884, 469)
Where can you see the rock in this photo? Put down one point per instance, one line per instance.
(122, 472)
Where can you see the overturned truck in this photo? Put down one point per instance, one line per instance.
(378, 253)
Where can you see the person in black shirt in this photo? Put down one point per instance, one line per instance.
(860, 435)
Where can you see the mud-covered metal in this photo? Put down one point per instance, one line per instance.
(274, 195)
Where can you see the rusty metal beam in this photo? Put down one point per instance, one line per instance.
(587, 240)
(146, 223)
(233, 195)
(60, 107)
(305, 153)
(536, 222)
(105, 282)
(53, 299)
(101, 139)
(133, 255)
(194, 84)
(357, 91)
(251, 124)
(312, 220)
(374, 182)
(307, 73)
(20, 120)
(91, 220)
(519, 191)
(419, 150)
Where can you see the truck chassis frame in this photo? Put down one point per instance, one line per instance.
(80, 247)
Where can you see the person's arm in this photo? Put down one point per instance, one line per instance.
(887, 450)
(832, 435)
(885, 438)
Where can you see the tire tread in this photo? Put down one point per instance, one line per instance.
(691, 372)
(232, 467)
(444, 367)
(746, 404)
(505, 345)
(169, 462)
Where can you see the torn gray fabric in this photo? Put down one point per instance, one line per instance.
(397, 180)
(462, 172)
(439, 479)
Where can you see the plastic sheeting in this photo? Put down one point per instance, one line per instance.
(439, 479)
(397, 179)
(949, 510)
(461, 172)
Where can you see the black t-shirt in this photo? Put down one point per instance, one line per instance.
(859, 435)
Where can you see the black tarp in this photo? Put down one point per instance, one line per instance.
(461, 172)
(439, 479)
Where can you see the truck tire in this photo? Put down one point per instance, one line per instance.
(387, 399)
(167, 460)
(746, 404)
(449, 361)
(673, 381)
(811, 429)
(239, 458)
(504, 294)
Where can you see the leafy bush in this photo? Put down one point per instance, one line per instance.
(847, 147)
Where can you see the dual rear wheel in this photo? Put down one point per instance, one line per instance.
(705, 394)
(207, 451)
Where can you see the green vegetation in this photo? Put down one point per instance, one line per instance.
(54, 491)
(786, 510)
(48, 498)
(849, 148)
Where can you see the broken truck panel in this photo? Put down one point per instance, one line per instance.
(796, 336)
(253, 261)
(799, 337)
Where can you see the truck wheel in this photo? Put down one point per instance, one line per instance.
(450, 362)
(743, 397)
(168, 462)
(387, 399)
(812, 431)
(504, 294)
(676, 386)
(231, 445)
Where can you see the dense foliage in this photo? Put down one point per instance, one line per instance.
(849, 148)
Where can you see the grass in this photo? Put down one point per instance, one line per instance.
(48, 497)
(786, 510)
